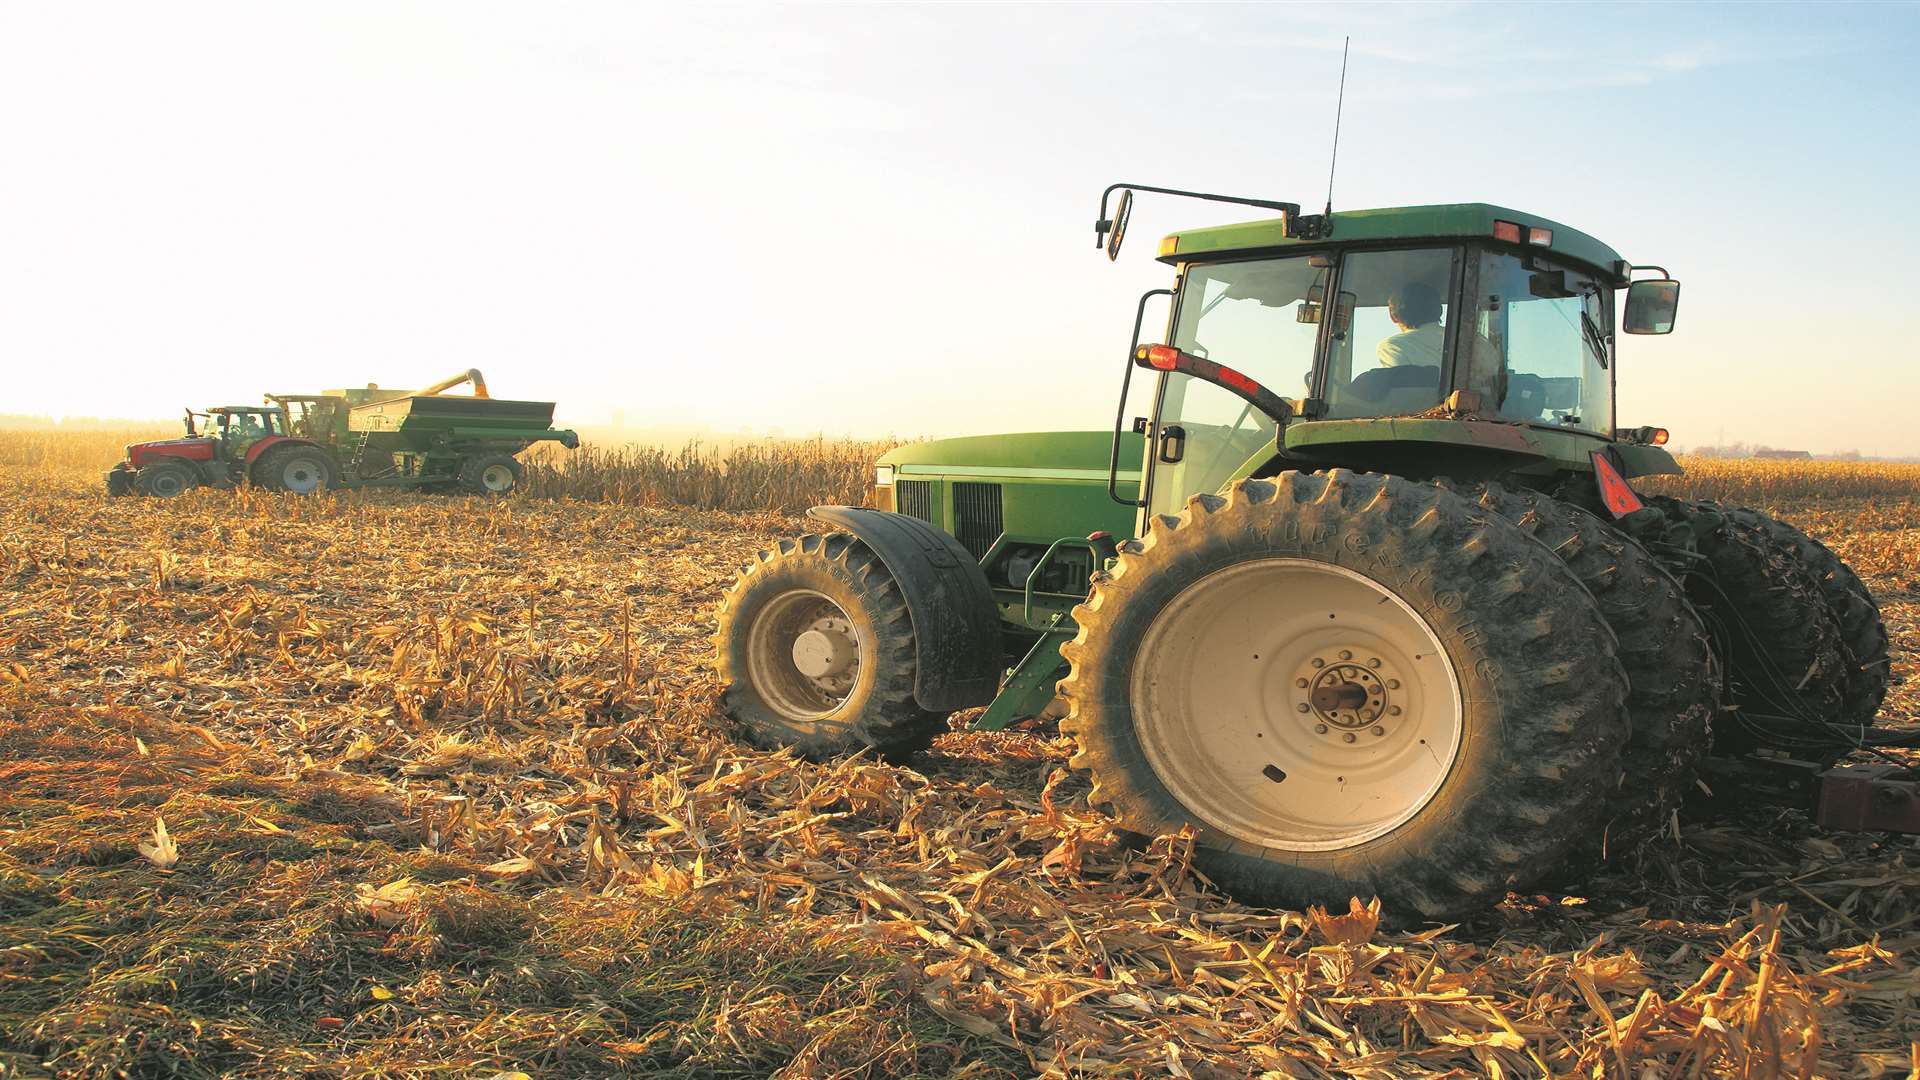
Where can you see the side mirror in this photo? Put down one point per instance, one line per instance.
(1115, 227)
(1651, 306)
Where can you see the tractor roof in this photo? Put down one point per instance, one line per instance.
(1392, 223)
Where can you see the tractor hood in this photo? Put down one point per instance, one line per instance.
(1066, 455)
(191, 447)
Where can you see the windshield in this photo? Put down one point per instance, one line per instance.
(1540, 343)
(1260, 317)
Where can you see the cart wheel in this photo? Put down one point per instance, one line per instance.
(492, 475)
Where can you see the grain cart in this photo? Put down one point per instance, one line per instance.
(1379, 612)
(368, 437)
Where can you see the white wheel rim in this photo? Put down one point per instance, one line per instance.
(496, 478)
(1242, 705)
(300, 476)
(804, 654)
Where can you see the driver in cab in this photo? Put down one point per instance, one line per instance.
(1415, 309)
(1409, 371)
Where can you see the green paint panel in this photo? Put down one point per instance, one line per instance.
(1392, 223)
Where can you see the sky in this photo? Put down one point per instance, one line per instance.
(877, 220)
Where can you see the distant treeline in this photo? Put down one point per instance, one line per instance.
(18, 422)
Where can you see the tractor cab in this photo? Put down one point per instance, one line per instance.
(1459, 340)
(236, 428)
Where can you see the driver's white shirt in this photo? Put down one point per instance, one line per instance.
(1418, 347)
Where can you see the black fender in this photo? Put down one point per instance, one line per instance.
(956, 625)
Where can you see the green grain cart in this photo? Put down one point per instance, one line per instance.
(1366, 600)
(367, 437)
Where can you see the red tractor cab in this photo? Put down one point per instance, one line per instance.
(232, 444)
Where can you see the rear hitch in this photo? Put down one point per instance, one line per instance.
(1868, 798)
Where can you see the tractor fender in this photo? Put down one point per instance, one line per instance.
(956, 626)
(270, 441)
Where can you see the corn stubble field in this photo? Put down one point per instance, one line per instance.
(445, 792)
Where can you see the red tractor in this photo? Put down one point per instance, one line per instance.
(239, 444)
(353, 438)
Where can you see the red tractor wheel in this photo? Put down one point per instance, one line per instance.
(165, 479)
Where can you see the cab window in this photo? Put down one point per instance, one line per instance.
(1387, 350)
(1541, 341)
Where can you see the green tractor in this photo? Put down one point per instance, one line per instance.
(1410, 633)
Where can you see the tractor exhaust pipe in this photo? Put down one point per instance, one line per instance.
(471, 375)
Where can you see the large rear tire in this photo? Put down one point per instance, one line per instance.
(1239, 671)
(1781, 646)
(815, 650)
(1863, 635)
(298, 470)
(1673, 675)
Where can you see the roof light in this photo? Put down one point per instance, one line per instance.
(1169, 245)
(1506, 230)
(1538, 235)
(1659, 437)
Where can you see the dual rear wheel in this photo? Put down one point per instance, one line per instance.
(1343, 684)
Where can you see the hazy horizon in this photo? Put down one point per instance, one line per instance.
(794, 217)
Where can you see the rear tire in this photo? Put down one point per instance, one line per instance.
(1863, 636)
(298, 470)
(492, 475)
(1537, 697)
(1673, 675)
(815, 650)
(1777, 639)
(166, 479)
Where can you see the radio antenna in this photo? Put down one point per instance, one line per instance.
(1339, 105)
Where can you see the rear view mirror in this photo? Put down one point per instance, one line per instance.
(1116, 228)
(1651, 306)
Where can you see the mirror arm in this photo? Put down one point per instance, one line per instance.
(1103, 223)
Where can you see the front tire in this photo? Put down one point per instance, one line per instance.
(1511, 701)
(166, 479)
(815, 650)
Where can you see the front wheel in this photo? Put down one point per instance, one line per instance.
(166, 479)
(815, 649)
(1349, 685)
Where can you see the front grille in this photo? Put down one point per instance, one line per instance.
(914, 498)
(976, 516)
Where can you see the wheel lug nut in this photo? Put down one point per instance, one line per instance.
(1393, 710)
(1320, 729)
(1349, 736)
(1303, 706)
(1346, 654)
(1319, 663)
(1374, 662)
(1393, 684)
(1301, 683)
(1378, 730)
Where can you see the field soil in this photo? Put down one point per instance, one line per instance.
(398, 785)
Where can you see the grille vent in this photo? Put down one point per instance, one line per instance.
(914, 498)
(976, 516)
